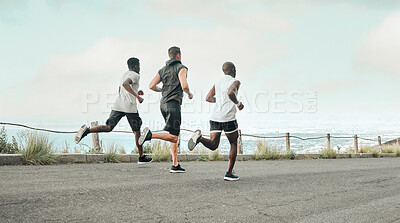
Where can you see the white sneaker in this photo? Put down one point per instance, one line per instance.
(194, 140)
(82, 132)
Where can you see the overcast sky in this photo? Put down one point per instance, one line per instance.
(61, 61)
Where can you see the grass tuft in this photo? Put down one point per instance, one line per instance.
(214, 156)
(37, 149)
(147, 149)
(370, 149)
(267, 152)
(161, 152)
(328, 153)
(202, 159)
(391, 149)
(111, 155)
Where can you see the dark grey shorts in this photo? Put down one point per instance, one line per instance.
(133, 118)
(227, 127)
(171, 111)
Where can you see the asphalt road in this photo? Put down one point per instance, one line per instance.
(348, 190)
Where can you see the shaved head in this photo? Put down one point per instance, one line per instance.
(229, 69)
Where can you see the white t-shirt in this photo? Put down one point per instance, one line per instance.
(125, 101)
(224, 109)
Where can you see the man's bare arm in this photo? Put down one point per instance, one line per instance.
(231, 94)
(211, 95)
(127, 85)
(185, 86)
(153, 84)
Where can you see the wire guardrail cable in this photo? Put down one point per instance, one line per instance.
(188, 130)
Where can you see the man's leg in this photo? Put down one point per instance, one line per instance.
(165, 136)
(174, 150)
(174, 144)
(140, 148)
(135, 122)
(111, 122)
(213, 142)
(100, 128)
(232, 137)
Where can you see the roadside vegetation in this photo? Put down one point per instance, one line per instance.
(111, 155)
(268, 152)
(215, 156)
(328, 153)
(36, 148)
(161, 152)
(393, 148)
(6, 146)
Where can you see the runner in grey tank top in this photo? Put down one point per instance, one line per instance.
(173, 77)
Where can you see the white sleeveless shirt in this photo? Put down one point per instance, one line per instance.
(224, 109)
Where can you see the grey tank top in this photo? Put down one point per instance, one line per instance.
(171, 88)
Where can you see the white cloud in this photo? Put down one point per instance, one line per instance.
(380, 51)
(57, 88)
(231, 14)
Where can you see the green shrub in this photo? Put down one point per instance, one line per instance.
(111, 155)
(5, 146)
(328, 153)
(161, 152)
(37, 149)
(203, 159)
(289, 155)
(214, 156)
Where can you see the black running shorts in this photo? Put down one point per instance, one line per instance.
(171, 111)
(227, 127)
(133, 118)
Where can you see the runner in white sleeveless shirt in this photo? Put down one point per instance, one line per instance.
(223, 118)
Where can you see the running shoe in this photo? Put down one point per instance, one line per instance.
(145, 136)
(194, 140)
(230, 177)
(177, 169)
(82, 132)
(144, 159)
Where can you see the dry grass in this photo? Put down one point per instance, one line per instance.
(111, 155)
(328, 153)
(215, 156)
(37, 149)
(267, 152)
(161, 152)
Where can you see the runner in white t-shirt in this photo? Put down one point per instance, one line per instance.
(125, 105)
(223, 118)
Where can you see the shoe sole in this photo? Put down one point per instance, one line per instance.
(176, 171)
(231, 179)
(192, 142)
(143, 137)
(144, 163)
(78, 136)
